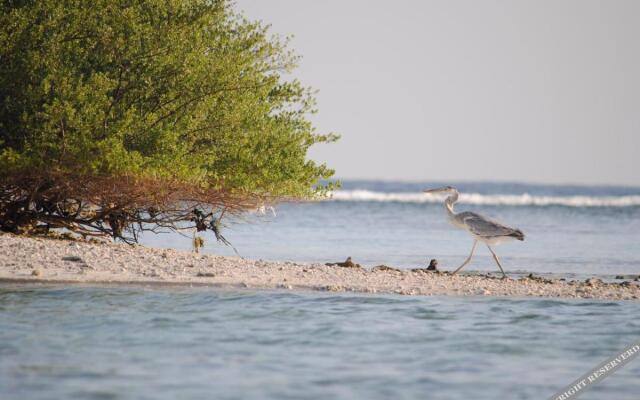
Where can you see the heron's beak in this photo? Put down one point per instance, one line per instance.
(438, 190)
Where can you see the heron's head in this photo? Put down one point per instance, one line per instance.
(444, 189)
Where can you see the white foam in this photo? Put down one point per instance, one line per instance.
(489, 199)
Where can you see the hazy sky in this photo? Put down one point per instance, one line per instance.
(534, 91)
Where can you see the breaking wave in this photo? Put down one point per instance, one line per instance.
(489, 199)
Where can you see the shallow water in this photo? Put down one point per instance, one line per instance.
(203, 343)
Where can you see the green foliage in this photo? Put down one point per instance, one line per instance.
(176, 89)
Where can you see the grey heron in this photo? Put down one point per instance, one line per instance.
(482, 229)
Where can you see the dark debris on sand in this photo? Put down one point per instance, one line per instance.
(348, 263)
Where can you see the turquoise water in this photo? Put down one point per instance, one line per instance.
(203, 343)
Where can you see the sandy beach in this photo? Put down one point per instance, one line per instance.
(43, 260)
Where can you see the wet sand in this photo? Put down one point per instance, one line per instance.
(43, 260)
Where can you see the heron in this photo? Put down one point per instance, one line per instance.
(482, 229)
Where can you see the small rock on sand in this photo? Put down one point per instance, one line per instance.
(433, 267)
(593, 282)
(384, 268)
(72, 258)
(348, 263)
(538, 279)
(425, 270)
(36, 272)
(205, 274)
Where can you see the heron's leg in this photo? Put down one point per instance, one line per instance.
(495, 257)
(475, 242)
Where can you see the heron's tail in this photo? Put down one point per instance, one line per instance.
(517, 233)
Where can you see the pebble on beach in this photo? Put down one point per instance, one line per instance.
(72, 258)
(385, 268)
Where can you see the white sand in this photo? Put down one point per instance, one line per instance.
(25, 259)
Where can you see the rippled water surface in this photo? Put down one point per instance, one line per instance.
(203, 343)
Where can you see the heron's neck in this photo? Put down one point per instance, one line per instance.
(449, 202)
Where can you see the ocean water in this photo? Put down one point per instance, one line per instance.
(137, 342)
(571, 231)
(203, 343)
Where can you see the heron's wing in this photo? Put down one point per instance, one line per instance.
(485, 227)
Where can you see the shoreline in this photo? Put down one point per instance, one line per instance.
(47, 261)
